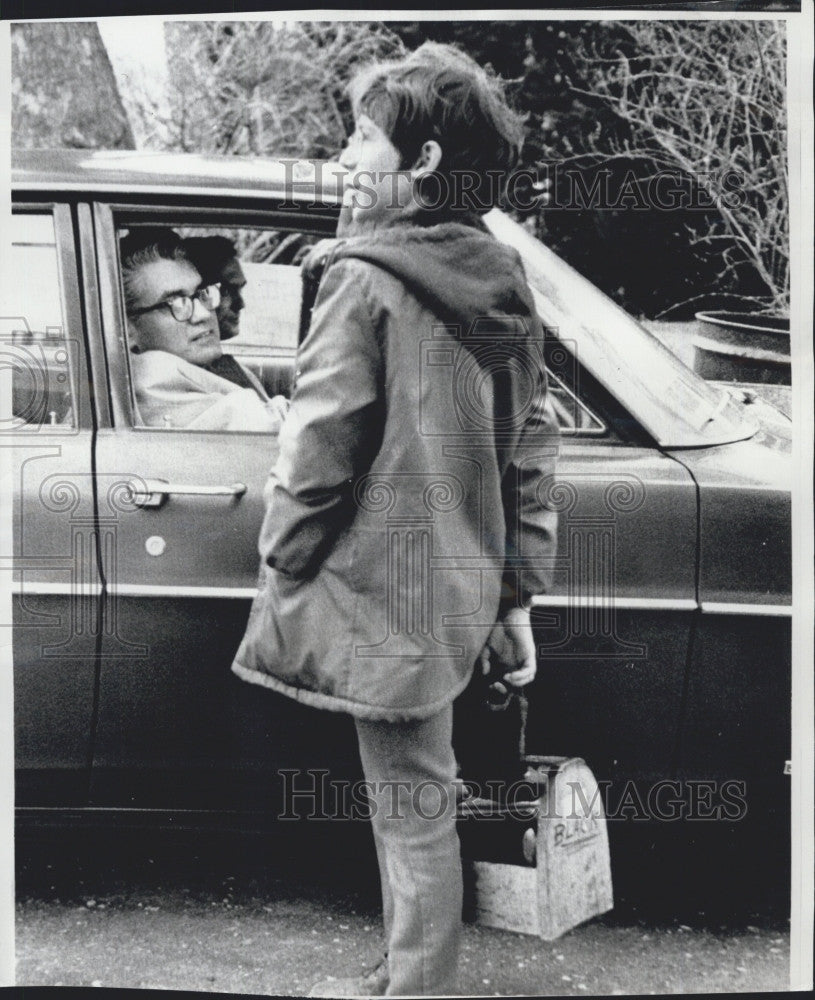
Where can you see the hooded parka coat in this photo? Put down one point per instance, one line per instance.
(409, 496)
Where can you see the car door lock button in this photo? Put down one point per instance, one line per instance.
(155, 545)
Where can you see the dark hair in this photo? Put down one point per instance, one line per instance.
(144, 245)
(438, 92)
(210, 254)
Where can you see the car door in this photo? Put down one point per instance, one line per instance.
(51, 561)
(613, 635)
(181, 512)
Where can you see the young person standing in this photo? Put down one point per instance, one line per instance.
(404, 514)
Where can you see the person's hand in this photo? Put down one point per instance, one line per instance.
(313, 258)
(512, 646)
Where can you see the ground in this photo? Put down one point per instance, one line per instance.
(200, 914)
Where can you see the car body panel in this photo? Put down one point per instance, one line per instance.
(739, 678)
(175, 728)
(744, 522)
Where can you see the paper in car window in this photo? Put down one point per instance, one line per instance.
(34, 287)
(30, 304)
(271, 317)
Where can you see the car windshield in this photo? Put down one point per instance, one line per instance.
(675, 406)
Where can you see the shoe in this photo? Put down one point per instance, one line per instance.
(372, 984)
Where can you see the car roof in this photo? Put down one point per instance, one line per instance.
(142, 172)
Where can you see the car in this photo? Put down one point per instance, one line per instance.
(664, 643)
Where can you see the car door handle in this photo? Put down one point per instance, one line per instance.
(154, 492)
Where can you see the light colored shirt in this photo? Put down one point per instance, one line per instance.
(171, 392)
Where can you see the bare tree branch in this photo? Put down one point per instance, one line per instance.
(707, 98)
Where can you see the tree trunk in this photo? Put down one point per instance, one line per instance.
(64, 93)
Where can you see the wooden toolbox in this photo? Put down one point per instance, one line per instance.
(537, 861)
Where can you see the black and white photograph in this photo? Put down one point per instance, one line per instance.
(407, 451)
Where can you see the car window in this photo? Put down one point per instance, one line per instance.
(33, 340)
(569, 394)
(257, 321)
(574, 416)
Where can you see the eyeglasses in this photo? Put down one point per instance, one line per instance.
(183, 306)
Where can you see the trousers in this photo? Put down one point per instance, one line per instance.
(409, 769)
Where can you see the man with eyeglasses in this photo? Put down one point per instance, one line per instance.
(176, 345)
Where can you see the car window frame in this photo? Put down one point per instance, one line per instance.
(73, 316)
(109, 217)
(602, 431)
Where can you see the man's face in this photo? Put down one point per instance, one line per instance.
(195, 340)
(375, 184)
(233, 281)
